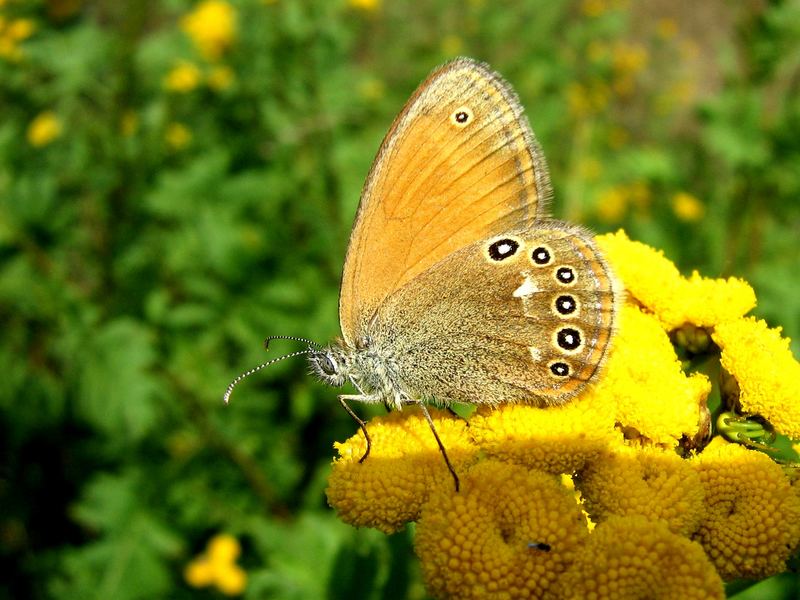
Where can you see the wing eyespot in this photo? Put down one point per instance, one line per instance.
(559, 369)
(462, 116)
(504, 248)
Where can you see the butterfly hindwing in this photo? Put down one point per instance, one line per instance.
(525, 316)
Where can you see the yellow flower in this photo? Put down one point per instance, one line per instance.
(611, 204)
(629, 58)
(184, 77)
(44, 128)
(217, 566)
(558, 439)
(752, 522)
(212, 27)
(649, 482)
(508, 533)
(628, 558)
(644, 387)
(221, 78)
(767, 374)
(594, 8)
(372, 88)
(452, 45)
(19, 29)
(178, 136)
(365, 5)
(656, 284)
(666, 28)
(388, 489)
(687, 207)
(129, 123)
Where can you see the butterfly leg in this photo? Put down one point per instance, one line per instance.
(438, 441)
(343, 399)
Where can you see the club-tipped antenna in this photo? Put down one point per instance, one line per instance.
(236, 381)
(311, 343)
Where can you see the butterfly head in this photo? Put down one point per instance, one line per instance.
(331, 364)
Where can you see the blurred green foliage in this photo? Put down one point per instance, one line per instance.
(172, 191)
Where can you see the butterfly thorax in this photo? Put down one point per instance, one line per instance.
(372, 369)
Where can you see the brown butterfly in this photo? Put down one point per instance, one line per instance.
(457, 287)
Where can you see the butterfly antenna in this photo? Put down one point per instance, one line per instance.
(236, 381)
(311, 343)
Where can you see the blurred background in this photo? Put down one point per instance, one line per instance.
(178, 180)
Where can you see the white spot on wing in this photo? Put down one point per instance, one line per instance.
(526, 289)
(535, 353)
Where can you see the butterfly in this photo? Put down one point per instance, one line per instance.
(457, 285)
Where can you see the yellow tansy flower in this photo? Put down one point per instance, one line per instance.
(212, 27)
(45, 128)
(178, 136)
(687, 207)
(557, 439)
(217, 566)
(184, 77)
(628, 558)
(644, 386)
(365, 5)
(768, 375)
(752, 521)
(19, 29)
(648, 482)
(221, 78)
(508, 533)
(388, 489)
(658, 285)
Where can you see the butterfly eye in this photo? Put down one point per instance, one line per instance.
(461, 117)
(327, 365)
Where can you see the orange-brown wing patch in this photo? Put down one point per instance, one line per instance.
(458, 164)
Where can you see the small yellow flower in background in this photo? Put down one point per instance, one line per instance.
(184, 77)
(629, 58)
(212, 27)
(628, 558)
(372, 88)
(365, 5)
(594, 8)
(178, 136)
(44, 128)
(648, 482)
(19, 29)
(752, 522)
(666, 28)
(217, 566)
(221, 78)
(129, 123)
(452, 45)
(761, 361)
(687, 207)
(388, 489)
(509, 533)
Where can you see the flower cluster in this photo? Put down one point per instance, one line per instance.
(217, 567)
(13, 31)
(652, 508)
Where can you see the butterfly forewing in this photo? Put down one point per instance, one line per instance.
(458, 164)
